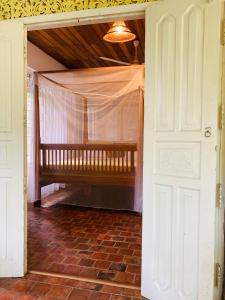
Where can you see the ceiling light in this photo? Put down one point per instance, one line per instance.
(119, 33)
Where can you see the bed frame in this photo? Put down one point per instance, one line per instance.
(109, 164)
(89, 163)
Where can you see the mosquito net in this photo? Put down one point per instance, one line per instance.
(98, 105)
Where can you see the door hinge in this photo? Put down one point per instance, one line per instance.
(25, 118)
(221, 117)
(25, 185)
(222, 33)
(25, 51)
(219, 195)
(218, 276)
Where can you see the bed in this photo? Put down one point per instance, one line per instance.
(96, 164)
(93, 163)
(94, 156)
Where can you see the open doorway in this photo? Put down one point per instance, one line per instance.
(179, 150)
(85, 141)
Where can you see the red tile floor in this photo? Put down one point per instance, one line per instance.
(91, 243)
(101, 245)
(39, 287)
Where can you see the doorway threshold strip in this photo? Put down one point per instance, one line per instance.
(85, 279)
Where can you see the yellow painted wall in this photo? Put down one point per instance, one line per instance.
(23, 8)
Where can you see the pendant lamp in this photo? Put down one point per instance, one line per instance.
(119, 33)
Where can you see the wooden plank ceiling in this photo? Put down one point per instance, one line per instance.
(81, 46)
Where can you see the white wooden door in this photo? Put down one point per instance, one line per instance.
(219, 219)
(181, 100)
(11, 149)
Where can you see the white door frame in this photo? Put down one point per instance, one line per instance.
(83, 17)
(75, 18)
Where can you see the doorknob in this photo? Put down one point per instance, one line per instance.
(208, 132)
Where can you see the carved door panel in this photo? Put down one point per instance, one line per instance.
(12, 229)
(181, 94)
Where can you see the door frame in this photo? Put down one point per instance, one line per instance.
(84, 17)
(64, 19)
(75, 18)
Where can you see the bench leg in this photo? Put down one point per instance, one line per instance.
(37, 202)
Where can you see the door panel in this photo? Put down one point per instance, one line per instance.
(181, 100)
(11, 149)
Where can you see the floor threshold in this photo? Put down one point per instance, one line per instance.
(85, 279)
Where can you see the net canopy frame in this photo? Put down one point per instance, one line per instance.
(99, 107)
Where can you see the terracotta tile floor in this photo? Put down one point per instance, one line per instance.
(39, 287)
(89, 243)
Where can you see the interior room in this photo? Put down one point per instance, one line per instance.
(87, 236)
(85, 143)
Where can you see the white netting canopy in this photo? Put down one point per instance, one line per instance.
(102, 101)
(98, 105)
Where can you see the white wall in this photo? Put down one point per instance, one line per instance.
(38, 60)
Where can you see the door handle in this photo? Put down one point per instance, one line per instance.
(208, 132)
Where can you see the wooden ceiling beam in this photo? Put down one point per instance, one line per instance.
(109, 47)
(126, 52)
(140, 33)
(76, 47)
(64, 53)
(101, 62)
(95, 43)
(81, 46)
(86, 45)
(40, 40)
(64, 46)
